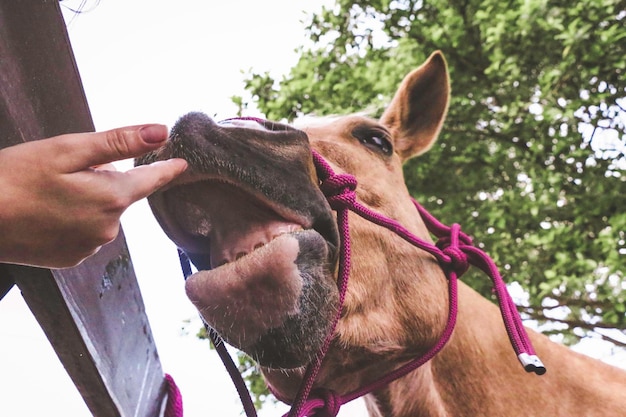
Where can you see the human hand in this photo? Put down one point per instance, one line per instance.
(61, 199)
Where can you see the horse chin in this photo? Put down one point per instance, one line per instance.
(276, 303)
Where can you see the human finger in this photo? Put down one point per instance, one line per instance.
(142, 181)
(80, 151)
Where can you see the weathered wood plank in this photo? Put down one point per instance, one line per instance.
(96, 322)
(93, 314)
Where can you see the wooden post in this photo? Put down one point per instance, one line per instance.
(93, 314)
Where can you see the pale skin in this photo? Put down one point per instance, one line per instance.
(62, 199)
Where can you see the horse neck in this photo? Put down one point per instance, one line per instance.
(477, 373)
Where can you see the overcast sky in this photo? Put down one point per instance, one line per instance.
(147, 61)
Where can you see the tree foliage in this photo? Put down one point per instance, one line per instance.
(531, 160)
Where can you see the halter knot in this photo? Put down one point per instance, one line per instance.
(458, 260)
(339, 190)
(450, 245)
(332, 403)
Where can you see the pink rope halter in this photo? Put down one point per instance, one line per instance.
(455, 253)
(453, 250)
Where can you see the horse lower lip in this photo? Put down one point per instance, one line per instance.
(243, 300)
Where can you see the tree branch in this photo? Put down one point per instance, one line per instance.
(578, 302)
(612, 340)
(539, 315)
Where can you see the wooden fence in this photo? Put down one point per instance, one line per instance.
(93, 314)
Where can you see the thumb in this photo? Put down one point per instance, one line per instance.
(85, 150)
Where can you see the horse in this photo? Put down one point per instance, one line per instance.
(252, 214)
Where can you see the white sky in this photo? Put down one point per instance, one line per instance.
(152, 61)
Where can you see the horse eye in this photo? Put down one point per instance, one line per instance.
(374, 139)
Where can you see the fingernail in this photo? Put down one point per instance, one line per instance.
(153, 133)
(178, 163)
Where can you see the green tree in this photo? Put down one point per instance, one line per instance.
(531, 160)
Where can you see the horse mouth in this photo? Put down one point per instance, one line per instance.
(266, 276)
(262, 237)
(219, 223)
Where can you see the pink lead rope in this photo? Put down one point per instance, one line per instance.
(454, 251)
(174, 403)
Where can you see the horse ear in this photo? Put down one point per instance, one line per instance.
(416, 113)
